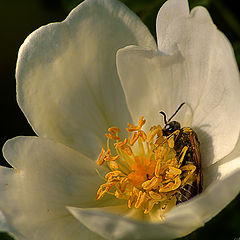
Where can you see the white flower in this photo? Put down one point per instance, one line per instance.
(71, 87)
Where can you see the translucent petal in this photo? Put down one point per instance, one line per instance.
(67, 83)
(46, 177)
(211, 75)
(2, 222)
(195, 64)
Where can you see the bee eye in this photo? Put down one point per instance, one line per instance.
(168, 127)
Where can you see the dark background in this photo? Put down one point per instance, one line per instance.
(19, 18)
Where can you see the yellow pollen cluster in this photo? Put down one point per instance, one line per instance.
(144, 168)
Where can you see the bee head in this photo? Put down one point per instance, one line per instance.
(171, 126)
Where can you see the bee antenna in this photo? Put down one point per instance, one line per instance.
(175, 112)
(164, 117)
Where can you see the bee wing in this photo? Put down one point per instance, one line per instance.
(197, 159)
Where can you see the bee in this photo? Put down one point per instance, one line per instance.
(185, 137)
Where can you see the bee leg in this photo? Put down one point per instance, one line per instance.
(175, 134)
(182, 154)
(185, 190)
(181, 195)
(168, 201)
(190, 168)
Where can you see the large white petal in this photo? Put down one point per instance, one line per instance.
(211, 74)
(46, 177)
(170, 11)
(195, 65)
(3, 226)
(67, 83)
(149, 82)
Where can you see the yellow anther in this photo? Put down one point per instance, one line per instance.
(149, 184)
(141, 122)
(102, 156)
(190, 168)
(124, 180)
(149, 205)
(134, 138)
(113, 165)
(109, 184)
(111, 158)
(172, 162)
(123, 184)
(132, 128)
(113, 174)
(140, 199)
(171, 141)
(142, 135)
(160, 153)
(136, 135)
(155, 130)
(111, 136)
(119, 195)
(157, 169)
(127, 150)
(135, 191)
(173, 172)
(131, 199)
(157, 196)
(120, 144)
(171, 186)
(101, 192)
(114, 130)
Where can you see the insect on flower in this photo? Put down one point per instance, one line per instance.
(187, 147)
(153, 170)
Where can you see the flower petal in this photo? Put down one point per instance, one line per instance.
(46, 177)
(222, 184)
(208, 204)
(67, 83)
(211, 76)
(195, 64)
(112, 226)
(2, 222)
(149, 82)
(180, 221)
(170, 11)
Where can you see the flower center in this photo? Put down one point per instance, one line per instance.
(144, 168)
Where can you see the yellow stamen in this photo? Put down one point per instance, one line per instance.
(140, 199)
(121, 144)
(149, 205)
(102, 157)
(144, 169)
(134, 138)
(114, 130)
(111, 136)
(157, 196)
(132, 128)
(113, 165)
(150, 184)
